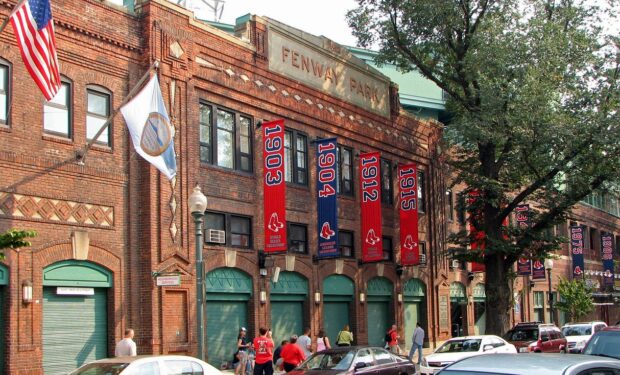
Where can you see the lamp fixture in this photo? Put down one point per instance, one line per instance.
(399, 297)
(548, 264)
(317, 297)
(263, 297)
(27, 291)
(362, 297)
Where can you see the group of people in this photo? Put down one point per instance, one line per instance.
(392, 337)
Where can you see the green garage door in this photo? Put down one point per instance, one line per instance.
(74, 330)
(480, 314)
(4, 280)
(75, 326)
(287, 298)
(414, 301)
(379, 293)
(228, 293)
(338, 292)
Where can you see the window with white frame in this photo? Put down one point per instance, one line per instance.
(5, 74)
(97, 113)
(57, 113)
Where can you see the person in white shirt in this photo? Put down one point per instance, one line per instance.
(126, 347)
(305, 342)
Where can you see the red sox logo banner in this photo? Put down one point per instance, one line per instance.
(522, 216)
(372, 243)
(538, 270)
(478, 237)
(274, 187)
(607, 249)
(327, 199)
(576, 244)
(408, 212)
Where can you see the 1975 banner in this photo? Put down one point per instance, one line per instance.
(522, 216)
(408, 212)
(372, 242)
(274, 187)
(327, 202)
(576, 244)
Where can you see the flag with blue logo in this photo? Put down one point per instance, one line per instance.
(151, 132)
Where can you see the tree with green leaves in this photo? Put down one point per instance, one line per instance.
(13, 239)
(533, 92)
(576, 298)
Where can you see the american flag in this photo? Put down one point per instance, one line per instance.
(34, 30)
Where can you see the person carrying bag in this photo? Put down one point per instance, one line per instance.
(345, 337)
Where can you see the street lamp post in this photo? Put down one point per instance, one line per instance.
(197, 206)
(548, 267)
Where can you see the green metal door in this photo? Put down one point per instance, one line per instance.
(287, 319)
(74, 330)
(380, 292)
(378, 322)
(414, 308)
(287, 298)
(479, 309)
(228, 292)
(412, 316)
(4, 280)
(338, 292)
(224, 318)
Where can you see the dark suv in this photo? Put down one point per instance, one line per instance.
(537, 337)
(605, 343)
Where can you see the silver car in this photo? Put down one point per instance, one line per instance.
(148, 365)
(534, 364)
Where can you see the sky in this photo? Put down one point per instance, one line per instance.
(318, 17)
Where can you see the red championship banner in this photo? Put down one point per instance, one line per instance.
(274, 186)
(477, 237)
(408, 210)
(372, 243)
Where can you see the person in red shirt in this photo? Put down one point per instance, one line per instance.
(263, 345)
(393, 343)
(292, 355)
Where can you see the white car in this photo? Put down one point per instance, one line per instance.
(463, 347)
(147, 365)
(578, 334)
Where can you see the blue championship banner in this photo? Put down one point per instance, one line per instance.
(522, 215)
(576, 245)
(327, 202)
(607, 248)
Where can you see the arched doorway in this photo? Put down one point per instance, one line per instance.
(288, 297)
(480, 308)
(4, 282)
(414, 308)
(380, 293)
(458, 309)
(75, 315)
(228, 293)
(338, 293)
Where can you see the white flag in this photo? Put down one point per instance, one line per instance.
(149, 125)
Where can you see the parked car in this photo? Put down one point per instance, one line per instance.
(346, 360)
(533, 364)
(578, 334)
(605, 343)
(147, 365)
(462, 347)
(537, 337)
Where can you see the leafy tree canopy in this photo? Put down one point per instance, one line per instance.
(533, 91)
(13, 239)
(576, 299)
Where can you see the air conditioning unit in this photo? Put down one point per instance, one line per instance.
(455, 264)
(216, 236)
(422, 260)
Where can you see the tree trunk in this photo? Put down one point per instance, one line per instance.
(498, 295)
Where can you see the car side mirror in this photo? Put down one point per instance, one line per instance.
(544, 338)
(360, 365)
(487, 348)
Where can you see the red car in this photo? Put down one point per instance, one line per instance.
(537, 337)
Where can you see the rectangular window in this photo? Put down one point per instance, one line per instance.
(298, 238)
(98, 111)
(421, 187)
(460, 209)
(295, 157)
(539, 306)
(449, 205)
(388, 250)
(346, 243)
(57, 113)
(345, 171)
(422, 246)
(225, 138)
(595, 241)
(617, 247)
(228, 230)
(4, 94)
(386, 181)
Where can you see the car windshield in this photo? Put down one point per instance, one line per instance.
(329, 361)
(522, 334)
(466, 345)
(604, 343)
(101, 369)
(577, 330)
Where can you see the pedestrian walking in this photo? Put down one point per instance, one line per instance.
(417, 341)
(277, 355)
(292, 355)
(263, 346)
(322, 342)
(345, 337)
(126, 347)
(305, 342)
(242, 352)
(392, 340)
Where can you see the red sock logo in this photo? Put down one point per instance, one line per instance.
(371, 237)
(274, 223)
(326, 231)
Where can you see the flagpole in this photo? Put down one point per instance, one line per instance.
(6, 21)
(81, 154)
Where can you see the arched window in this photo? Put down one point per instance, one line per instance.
(58, 112)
